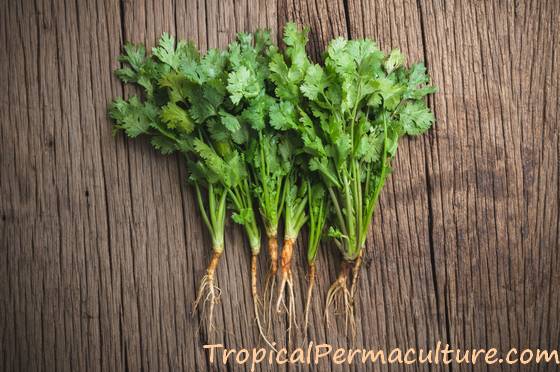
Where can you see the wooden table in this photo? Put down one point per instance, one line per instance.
(101, 245)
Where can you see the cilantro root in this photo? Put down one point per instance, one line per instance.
(270, 279)
(256, 300)
(310, 285)
(287, 286)
(209, 291)
(295, 216)
(356, 273)
(340, 298)
(286, 272)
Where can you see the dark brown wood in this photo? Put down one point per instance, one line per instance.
(102, 248)
(493, 170)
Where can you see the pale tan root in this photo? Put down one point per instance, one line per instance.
(310, 286)
(292, 321)
(270, 280)
(285, 269)
(288, 305)
(209, 291)
(356, 274)
(339, 296)
(257, 301)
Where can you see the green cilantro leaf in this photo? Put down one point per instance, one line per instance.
(416, 118)
(242, 83)
(133, 116)
(175, 117)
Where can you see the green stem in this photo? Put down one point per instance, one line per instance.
(378, 187)
(241, 197)
(295, 211)
(349, 214)
(317, 219)
(301, 216)
(202, 209)
(212, 203)
(216, 221)
(219, 226)
(338, 211)
(357, 197)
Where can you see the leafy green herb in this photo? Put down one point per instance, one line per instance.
(187, 107)
(272, 136)
(354, 110)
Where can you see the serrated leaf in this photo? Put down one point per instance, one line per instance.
(134, 55)
(230, 122)
(371, 147)
(335, 233)
(285, 88)
(165, 51)
(314, 83)
(133, 116)
(293, 37)
(126, 74)
(395, 60)
(416, 118)
(164, 145)
(212, 65)
(242, 216)
(254, 115)
(210, 158)
(175, 117)
(283, 116)
(214, 92)
(313, 145)
(242, 83)
(391, 93)
(321, 165)
(343, 146)
(417, 79)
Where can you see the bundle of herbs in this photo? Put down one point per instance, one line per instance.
(203, 106)
(354, 110)
(271, 136)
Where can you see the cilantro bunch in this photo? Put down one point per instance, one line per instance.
(275, 139)
(202, 106)
(349, 114)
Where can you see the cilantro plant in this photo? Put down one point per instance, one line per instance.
(190, 105)
(354, 110)
(362, 102)
(287, 71)
(266, 155)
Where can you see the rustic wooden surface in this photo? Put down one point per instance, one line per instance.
(101, 246)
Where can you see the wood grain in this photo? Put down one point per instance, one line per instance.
(492, 165)
(102, 248)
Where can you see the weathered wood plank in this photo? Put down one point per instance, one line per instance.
(493, 170)
(101, 245)
(53, 204)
